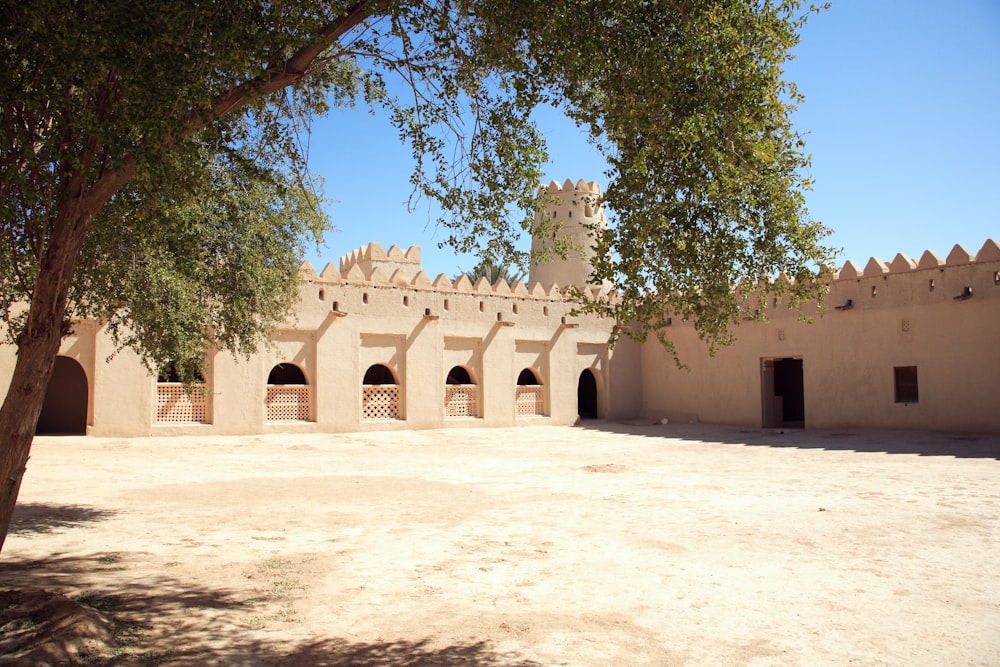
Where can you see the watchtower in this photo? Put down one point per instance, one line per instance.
(570, 213)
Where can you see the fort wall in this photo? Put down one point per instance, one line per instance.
(377, 308)
(936, 315)
(375, 343)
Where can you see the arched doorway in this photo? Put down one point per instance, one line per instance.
(64, 411)
(586, 395)
(287, 394)
(529, 399)
(461, 395)
(380, 394)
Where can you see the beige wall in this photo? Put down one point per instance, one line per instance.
(848, 355)
(419, 329)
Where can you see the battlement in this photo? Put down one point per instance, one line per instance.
(412, 276)
(371, 257)
(371, 265)
(959, 255)
(589, 187)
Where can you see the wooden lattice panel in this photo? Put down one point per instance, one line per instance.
(530, 400)
(175, 405)
(380, 401)
(287, 402)
(460, 400)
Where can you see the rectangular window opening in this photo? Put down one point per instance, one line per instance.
(905, 378)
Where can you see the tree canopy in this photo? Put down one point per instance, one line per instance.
(152, 174)
(685, 99)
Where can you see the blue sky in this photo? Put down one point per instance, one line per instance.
(902, 113)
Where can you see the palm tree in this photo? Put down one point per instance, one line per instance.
(493, 272)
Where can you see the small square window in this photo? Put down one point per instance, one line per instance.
(906, 384)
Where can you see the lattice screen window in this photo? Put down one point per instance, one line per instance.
(380, 401)
(530, 400)
(288, 402)
(460, 400)
(174, 405)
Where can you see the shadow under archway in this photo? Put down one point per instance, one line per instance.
(586, 395)
(64, 411)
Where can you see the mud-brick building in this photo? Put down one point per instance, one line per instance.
(376, 343)
(905, 344)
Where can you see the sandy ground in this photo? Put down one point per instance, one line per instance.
(606, 544)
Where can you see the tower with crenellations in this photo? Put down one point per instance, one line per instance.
(570, 213)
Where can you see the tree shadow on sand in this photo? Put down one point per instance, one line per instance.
(40, 518)
(168, 621)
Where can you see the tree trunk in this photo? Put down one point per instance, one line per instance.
(38, 344)
(37, 347)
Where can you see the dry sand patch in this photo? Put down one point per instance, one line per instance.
(611, 544)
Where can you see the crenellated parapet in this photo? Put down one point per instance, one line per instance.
(568, 187)
(420, 281)
(373, 263)
(372, 266)
(905, 282)
(959, 256)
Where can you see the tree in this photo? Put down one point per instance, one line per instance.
(151, 176)
(493, 272)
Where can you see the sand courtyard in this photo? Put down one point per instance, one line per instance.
(601, 544)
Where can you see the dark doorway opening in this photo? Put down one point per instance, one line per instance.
(64, 411)
(783, 393)
(586, 395)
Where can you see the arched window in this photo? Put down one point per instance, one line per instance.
(288, 394)
(176, 403)
(286, 374)
(379, 374)
(529, 398)
(527, 377)
(380, 394)
(461, 395)
(169, 373)
(64, 411)
(458, 375)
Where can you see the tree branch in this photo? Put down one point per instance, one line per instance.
(271, 80)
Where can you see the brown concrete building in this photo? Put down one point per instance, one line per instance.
(377, 344)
